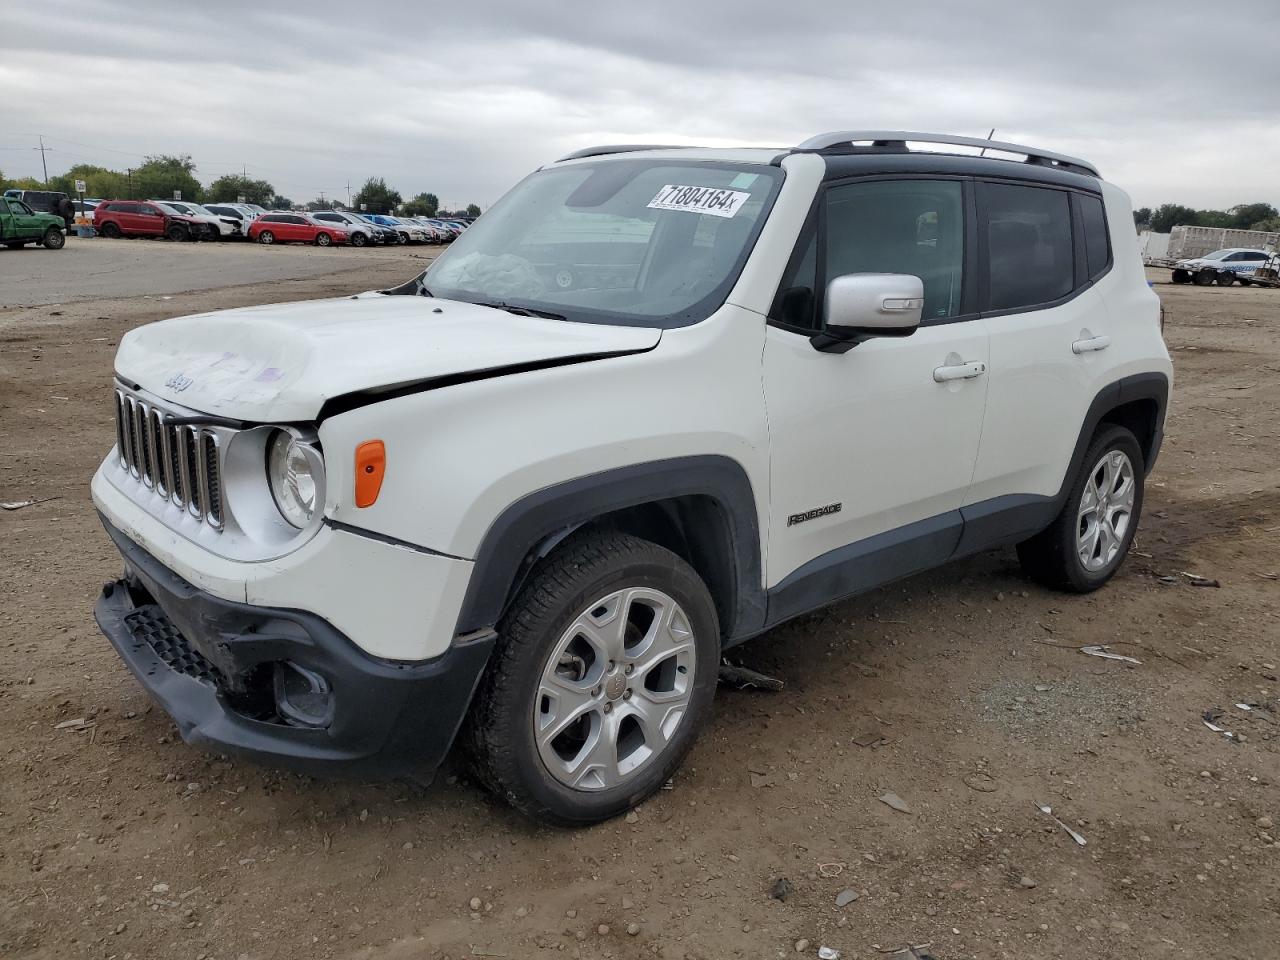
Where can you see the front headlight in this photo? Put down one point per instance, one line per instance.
(296, 473)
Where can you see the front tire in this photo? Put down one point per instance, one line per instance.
(266, 237)
(605, 672)
(178, 233)
(1204, 278)
(323, 240)
(1181, 276)
(54, 239)
(1086, 543)
(358, 239)
(1226, 279)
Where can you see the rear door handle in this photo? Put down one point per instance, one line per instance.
(959, 371)
(1093, 343)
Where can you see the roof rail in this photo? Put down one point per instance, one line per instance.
(898, 139)
(607, 149)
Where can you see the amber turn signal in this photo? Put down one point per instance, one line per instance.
(371, 464)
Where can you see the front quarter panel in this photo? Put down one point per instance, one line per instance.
(458, 456)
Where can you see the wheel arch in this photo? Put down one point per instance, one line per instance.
(702, 508)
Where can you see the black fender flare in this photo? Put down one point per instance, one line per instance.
(531, 526)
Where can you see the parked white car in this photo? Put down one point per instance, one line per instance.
(1223, 267)
(655, 402)
(221, 227)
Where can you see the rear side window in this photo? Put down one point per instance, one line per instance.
(1029, 245)
(1097, 248)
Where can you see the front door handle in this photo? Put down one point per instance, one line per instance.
(1091, 344)
(959, 371)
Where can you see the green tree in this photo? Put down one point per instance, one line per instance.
(473, 209)
(98, 181)
(1214, 218)
(320, 204)
(377, 197)
(232, 186)
(423, 205)
(280, 203)
(22, 183)
(1142, 217)
(1245, 215)
(1271, 225)
(159, 176)
(1169, 215)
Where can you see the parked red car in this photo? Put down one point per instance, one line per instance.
(295, 228)
(136, 218)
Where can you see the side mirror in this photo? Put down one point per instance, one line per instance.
(860, 306)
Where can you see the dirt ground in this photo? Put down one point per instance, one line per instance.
(120, 841)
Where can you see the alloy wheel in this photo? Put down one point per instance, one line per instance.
(1106, 511)
(615, 688)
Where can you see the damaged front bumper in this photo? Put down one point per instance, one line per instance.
(282, 686)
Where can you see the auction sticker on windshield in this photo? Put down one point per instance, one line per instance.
(710, 200)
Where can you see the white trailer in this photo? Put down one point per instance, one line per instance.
(1189, 243)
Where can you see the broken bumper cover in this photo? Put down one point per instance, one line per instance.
(282, 686)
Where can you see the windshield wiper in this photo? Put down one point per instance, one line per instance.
(522, 311)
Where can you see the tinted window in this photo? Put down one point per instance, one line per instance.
(292, 220)
(1029, 254)
(331, 217)
(1093, 222)
(1253, 255)
(270, 219)
(914, 227)
(148, 210)
(796, 302)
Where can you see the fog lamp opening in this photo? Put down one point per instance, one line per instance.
(303, 697)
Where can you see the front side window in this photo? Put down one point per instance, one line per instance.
(1029, 248)
(914, 227)
(625, 241)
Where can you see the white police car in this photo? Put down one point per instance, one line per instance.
(1224, 267)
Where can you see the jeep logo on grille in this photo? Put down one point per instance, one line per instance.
(179, 382)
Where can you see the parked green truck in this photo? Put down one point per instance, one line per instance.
(19, 225)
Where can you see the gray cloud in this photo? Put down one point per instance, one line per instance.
(464, 102)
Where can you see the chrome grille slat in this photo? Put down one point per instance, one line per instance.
(180, 462)
(213, 502)
(159, 455)
(173, 447)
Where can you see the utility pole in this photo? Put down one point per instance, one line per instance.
(42, 148)
(349, 203)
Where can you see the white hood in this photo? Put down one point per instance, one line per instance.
(282, 362)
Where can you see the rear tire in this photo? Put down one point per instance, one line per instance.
(111, 231)
(604, 673)
(1105, 497)
(1226, 279)
(1244, 282)
(54, 239)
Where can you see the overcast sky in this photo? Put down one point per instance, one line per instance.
(1173, 100)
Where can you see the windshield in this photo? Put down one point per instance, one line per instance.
(638, 241)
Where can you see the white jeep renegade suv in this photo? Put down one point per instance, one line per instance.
(655, 402)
